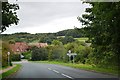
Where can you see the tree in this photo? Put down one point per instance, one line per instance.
(45, 40)
(67, 39)
(11, 42)
(74, 33)
(5, 50)
(9, 15)
(56, 42)
(16, 57)
(102, 23)
(58, 53)
(39, 54)
(27, 55)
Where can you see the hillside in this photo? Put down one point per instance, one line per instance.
(42, 37)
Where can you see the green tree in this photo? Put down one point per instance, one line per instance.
(58, 53)
(45, 40)
(67, 39)
(27, 55)
(39, 54)
(9, 15)
(102, 24)
(81, 50)
(16, 57)
(49, 48)
(11, 42)
(56, 42)
(5, 50)
(75, 33)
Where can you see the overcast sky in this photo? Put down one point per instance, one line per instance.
(44, 17)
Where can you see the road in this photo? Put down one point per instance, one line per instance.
(44, 70)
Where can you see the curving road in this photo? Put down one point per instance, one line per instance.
(52, 71)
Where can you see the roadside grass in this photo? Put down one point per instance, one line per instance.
(9, 72)
(82, 66)
(83, 39)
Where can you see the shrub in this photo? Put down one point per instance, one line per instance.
(39, 54)
(27, 55)
(15, 57)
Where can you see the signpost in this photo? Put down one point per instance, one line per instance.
(71, 54)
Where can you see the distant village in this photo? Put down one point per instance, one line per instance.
(20, 47)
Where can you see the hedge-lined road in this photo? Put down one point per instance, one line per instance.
(44, 70)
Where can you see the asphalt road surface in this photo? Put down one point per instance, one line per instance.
(44, 70)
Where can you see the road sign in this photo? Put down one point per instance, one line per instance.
(71, 54)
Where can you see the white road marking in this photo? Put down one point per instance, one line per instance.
(66, 76)
(49, 68)
(60, 73)
(55, 71)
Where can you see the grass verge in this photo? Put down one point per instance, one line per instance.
(83, 66)
(11, 71)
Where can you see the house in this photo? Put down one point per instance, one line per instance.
(39, 45)
(19, 47)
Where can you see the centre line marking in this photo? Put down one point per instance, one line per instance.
(66, 76)
(55, 71)
(49, 68)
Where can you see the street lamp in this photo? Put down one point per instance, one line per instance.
(8, 58)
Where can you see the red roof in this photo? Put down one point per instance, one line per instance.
(19, 47)
(39, 44)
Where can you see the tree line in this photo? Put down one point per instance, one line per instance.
(68, 36)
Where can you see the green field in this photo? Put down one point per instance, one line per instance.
(82, 66)
(83, 39)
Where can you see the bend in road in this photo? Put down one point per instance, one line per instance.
(41, 70)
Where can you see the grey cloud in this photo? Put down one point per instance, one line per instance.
(42, 12)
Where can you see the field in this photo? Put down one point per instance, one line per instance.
(83, 39)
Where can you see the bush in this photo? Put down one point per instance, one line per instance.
(57, 52)
(80, 49)
(39, 54)
(67, 39)
(16, 57)
(27, 55)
